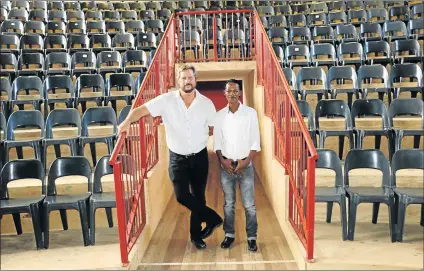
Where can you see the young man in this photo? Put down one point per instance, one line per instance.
(236, 141)
(188, 118)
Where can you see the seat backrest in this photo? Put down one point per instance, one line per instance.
(3, 123)
(26, 83)
(18, 170)
(32, 40)
(350, 48)
(123, 40)
(355, 16)
(277, 20)
(306, 112)
(323, 31)
(347, 31)
(370, 107)
(102, 168)
(368, 30)
(35, 27)
(333, 108)
(303, 32)
(68, 166)
(56, 28)
(58, 58)
(328, 159)
(297, 20)
(92, 81)
(323, 49)
(62, 116)
(24, 118)
(395, 29)
(52, 83)
(6, 87)
(376, 71)
(107, 57)
(12, 26)
(290, 77)
(377, 14)
(411, 45)
(409, 70)
(119, 80)
(407, 159)
(28, 60)
(336, 5)
(372, 159)
(337, 17)
(8, 61)
(406, 106)
(342, 72)
(77, 27)
(311, 73)
(292, 51)
(96, 115)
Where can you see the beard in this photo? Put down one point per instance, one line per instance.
(188, 90)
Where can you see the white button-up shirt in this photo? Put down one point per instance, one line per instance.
(236, 134)
(187, 129)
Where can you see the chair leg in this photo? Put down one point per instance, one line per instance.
(392, 218)
(109, 217)
(82, 208)
(354, 202)
(329, 211)
(64, 218)
(19, 152)
(375, 209)
(343, 217)
(377, 141)
(92, 223)
(46, 227)
(17, 221)
(401, 218)
(57, 150)
(422, 215)
(93, 153)
(341, 147)
(35, 214)
(417, 142)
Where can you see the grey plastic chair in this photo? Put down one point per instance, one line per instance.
(61, 167)
(331, 109)
(407, 70)
(402, 107)
(327, 159)
(373, 107)
(17, 170)
(407, 159)
(315, 75)
(340, 74)
(306, 112)
(351, 53)
(370, 159)
(366, 75)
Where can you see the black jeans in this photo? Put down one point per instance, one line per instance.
(188, 172)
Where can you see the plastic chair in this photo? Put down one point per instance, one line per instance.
(8, 66)
(58, 117)
(108, 62)
(323, 34)
(121, 82)
(134, 27)
(407, 70)
(327, 159)
(331, 109)
(24, 118)
(52, 84)
(366, 75)
(297, 55)
(3, 130)
(401, 107)
(56, 28)
(407, 159)
(31, 64)
(83, 63)
(17, 170)
(340, 74)
(98, 115)
(123, 114)
(96, 84)
(61, 167)
(58, 63)
(373, 107)
(306, 112)
(370, 159)
(26, 83)
(318, 79)
(5, 91)
(350, 53)
(35, 27)
(100, 199)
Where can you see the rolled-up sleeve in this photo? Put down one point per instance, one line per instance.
(156, 105)
(255, 138)
(217, 134)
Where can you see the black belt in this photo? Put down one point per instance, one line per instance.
(187, 155)
(227, 158)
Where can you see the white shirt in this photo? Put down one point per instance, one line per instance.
(236, 134)
(187, 129)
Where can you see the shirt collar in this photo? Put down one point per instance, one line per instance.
(177, 93)
(240, 108)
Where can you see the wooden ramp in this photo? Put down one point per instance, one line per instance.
(170, 247)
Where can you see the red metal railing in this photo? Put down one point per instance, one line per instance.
(136, 153)
(293, 147)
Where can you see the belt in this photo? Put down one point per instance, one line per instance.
(188, 155)
(227, 158)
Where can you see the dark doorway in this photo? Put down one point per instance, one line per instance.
(214, 90)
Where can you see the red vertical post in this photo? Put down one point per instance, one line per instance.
(310, 212)
(120, 210)
(215, 46)
(142, 146)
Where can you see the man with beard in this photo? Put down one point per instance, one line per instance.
(236, 142)
(188, 118)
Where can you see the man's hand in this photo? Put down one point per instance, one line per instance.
(226, 163)
(241, 165)
(124, 127)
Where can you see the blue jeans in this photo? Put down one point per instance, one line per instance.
(247, 189)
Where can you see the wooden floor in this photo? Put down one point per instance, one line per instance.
(170, 247)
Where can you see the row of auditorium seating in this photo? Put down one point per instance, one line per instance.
(360, 109)
(77, 137)
(351, 53)
(40, 206)
(60, 89)
(388, 192)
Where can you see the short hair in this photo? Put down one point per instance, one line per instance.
(233, 81)
(186, 67)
